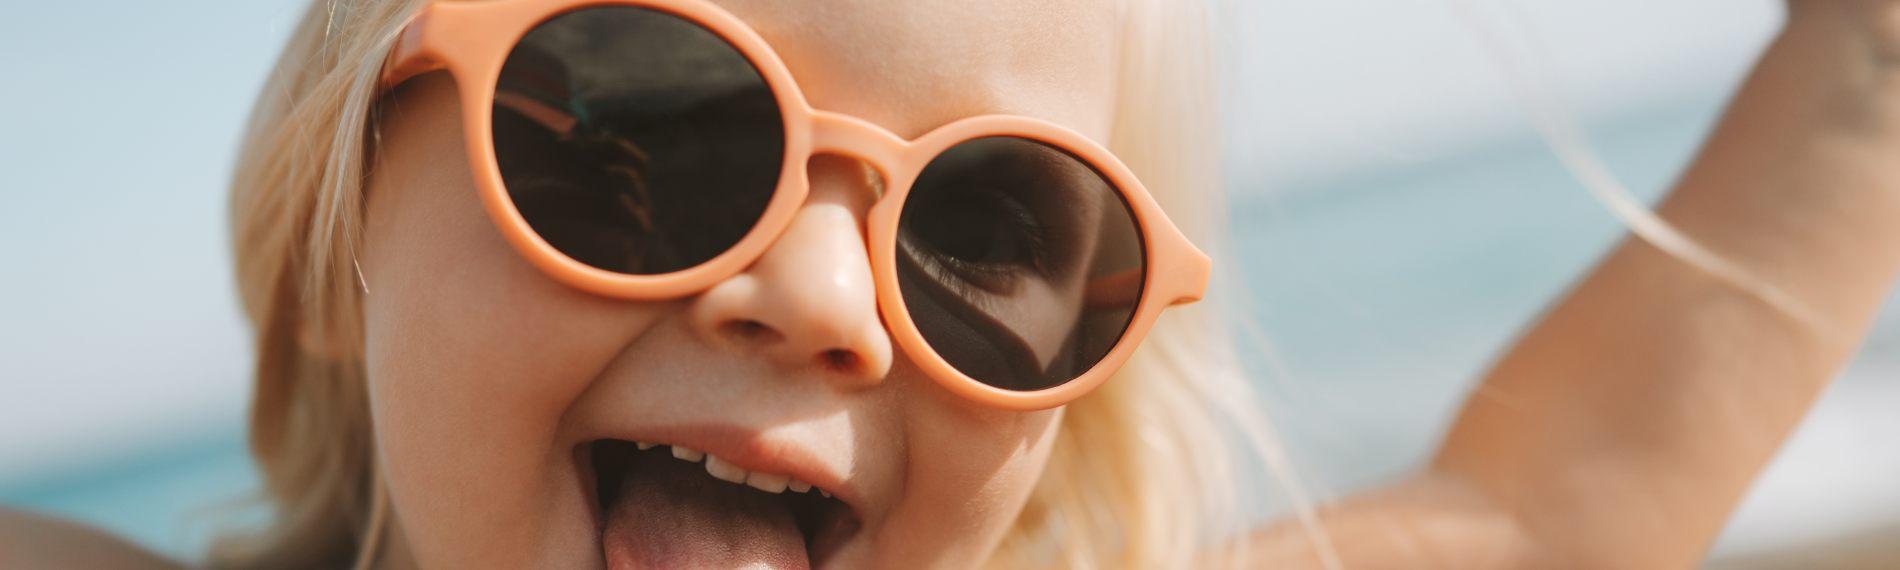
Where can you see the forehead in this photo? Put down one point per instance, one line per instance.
(911, 65)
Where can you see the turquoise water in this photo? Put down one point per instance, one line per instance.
(1382, 294)
(174, 500)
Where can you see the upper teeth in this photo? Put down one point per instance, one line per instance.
(724, 470)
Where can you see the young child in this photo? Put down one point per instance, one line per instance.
(843, 283)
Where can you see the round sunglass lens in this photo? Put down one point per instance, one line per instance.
(1020, 264)
(636, 141)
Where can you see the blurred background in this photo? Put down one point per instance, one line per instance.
(1399, 221)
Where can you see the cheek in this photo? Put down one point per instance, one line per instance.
(467, 389)
(473, 359)
(970, 473)
(454, 329)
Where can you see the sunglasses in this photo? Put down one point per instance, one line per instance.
(649, 149)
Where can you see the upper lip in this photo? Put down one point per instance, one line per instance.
(752, 450)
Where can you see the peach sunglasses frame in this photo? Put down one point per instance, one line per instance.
(471, 40)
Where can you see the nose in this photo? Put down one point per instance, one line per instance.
(809, 303)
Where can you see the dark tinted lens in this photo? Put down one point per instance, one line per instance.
(1020, 264)
(635, 141)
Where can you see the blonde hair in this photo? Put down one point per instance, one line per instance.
(1148, 471)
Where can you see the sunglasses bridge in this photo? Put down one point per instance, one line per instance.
(855, 138)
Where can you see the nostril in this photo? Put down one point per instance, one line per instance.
(750, 330)
(840, 360)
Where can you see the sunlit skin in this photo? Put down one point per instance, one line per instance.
(486, 376)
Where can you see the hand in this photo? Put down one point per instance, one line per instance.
(1876, 23)
(1843, 56)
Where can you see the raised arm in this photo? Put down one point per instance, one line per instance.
(1623, 427)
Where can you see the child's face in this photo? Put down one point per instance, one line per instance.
(491, 383)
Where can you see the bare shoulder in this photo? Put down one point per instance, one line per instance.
(29, 540)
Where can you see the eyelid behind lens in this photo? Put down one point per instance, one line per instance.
(970, 339)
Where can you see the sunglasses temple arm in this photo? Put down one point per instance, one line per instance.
(409, 56)
(1192, 280)
(1123, 289)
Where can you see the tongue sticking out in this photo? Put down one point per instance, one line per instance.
(671, 514)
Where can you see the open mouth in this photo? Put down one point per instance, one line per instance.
(667, 506)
